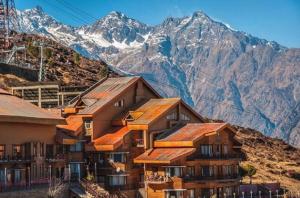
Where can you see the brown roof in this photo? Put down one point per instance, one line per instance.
(163, 155)
(13, 109)
(111, 140)
(189, 134)
(74, 125)
(152, 110)
(106, 92)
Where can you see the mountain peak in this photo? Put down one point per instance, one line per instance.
(38, 9)
(117, 14)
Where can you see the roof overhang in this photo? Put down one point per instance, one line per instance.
(31, 120)
(163, 155)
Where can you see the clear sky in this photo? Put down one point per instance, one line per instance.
(277, 20)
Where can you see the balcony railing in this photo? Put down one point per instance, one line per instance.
(6, 159)
(157, 179)
(56, 158)
(214, 177)
(215, 156)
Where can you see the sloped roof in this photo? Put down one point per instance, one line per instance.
(189, 134)
(163, 155)
(74, 125)
(111, 140)
(106, 91)
(13, 109)
(152, 110)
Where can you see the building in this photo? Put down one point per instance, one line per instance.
(195, 160)
(126, 136)
(121, 122)
(27, 143)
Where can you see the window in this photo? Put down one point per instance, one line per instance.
(117, 180)
(227, 170)
(172, 116)
(142, 178)
(191, 193)
(174, 171)
(88, 124)
(174, 194)
(49, 151)
(2, 151)
(117, 157)
(190, 171)
(207, 171)
(207, 192)
(100, 158)
(35, 149)
(2, 175)
(120, 103)
(206, 150)
(76, 147)
(184, 117)
(17, 178)
(225, 149)
(42, 149)
(218, 149)
(17, 150)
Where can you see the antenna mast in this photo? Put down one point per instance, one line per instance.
(9, 23)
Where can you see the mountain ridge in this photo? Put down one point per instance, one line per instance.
(224, 73)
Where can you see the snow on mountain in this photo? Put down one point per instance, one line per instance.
(224, 73)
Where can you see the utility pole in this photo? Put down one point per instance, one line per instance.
(41, 70)
(8, 22)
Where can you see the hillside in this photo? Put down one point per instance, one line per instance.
(62, 64)
(274, 160)
(224, 73)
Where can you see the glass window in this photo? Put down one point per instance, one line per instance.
(172, 116)
(49, 151)
(117, 157)
(76, 147)
(2, 151)
(17, 178)
(120, 103)
(88, 124)
(184, 117)
(2, 175)
(17, 150)
(174, 194)
(225, 149)
(41, 149)
(174, 171)
(190, 171)
(191, 193)
(117, 180)
(206, 150)
(35, 149)
(207, 171)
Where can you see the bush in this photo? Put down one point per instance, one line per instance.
(76, 58)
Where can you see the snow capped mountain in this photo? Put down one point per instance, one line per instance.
(224, 73)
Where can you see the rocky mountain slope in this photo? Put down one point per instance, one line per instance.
(274, 160)
(61, 63)
(224, 73)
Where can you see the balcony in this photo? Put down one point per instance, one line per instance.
(214, 157)
(157, 179)
(213, 178)
(56, 158)
(13, 159)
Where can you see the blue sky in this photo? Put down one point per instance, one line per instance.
(277, 20)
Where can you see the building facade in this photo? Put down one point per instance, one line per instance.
(27, 143)
(126, 129)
